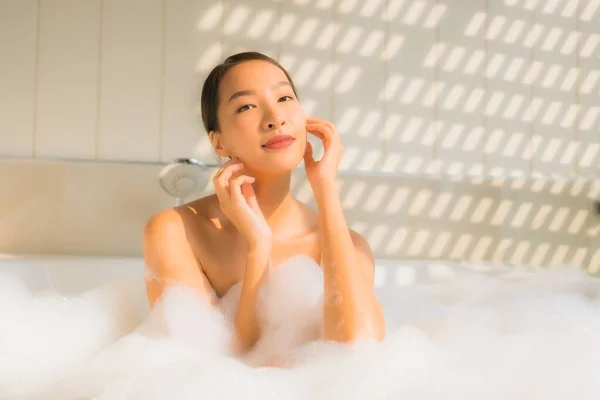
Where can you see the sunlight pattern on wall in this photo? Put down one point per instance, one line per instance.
(499, 98)
(500, 88)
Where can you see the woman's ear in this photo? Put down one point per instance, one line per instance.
(216, 139)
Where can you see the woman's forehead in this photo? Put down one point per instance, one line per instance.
(251, 75)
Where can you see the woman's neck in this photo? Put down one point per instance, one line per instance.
(274, 197)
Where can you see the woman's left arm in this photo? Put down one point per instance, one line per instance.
(351, 308)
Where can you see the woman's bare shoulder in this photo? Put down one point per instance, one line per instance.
(186, 216)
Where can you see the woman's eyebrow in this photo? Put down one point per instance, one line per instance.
(251, 92)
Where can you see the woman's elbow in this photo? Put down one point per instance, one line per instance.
(369, 330)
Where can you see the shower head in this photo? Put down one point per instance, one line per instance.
(183, 177)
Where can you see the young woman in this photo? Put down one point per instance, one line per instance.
(252, 223)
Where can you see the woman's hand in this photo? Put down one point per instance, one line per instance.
(322, 173)
(238, 202)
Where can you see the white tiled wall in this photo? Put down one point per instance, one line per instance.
(131, 80)
(588, 92)
(507, 148)
(476, 86)
(18, 40)
(503, 95)
(67, 60)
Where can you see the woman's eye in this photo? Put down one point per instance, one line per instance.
(286, 98)
(244, 108)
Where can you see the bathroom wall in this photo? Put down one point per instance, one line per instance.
(451, 107)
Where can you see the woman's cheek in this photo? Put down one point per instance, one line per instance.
(298, 117)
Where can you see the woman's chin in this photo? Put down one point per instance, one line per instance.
(278, 165)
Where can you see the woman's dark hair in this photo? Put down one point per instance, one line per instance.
(210, 89)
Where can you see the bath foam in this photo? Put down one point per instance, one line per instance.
(44, 336)
(466, 337)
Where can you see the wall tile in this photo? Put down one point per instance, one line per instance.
(588, 89)
(18, 41)
(306, 35)
(109, 205)
(131, 80)
(77, 208)
(507, 149)
(359, 47)
(192, 48)
(409, 92)
(251, 26)
(67, 80)
(547, 222)
(33, 208)
(553, 78)
(460, 87)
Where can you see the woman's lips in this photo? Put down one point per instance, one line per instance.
(279, 142)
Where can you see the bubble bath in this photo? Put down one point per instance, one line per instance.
(468, 336)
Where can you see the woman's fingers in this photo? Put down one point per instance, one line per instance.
(328, 135)
(315, 120)
(309, 158)
(330, 128)
(225, 172)
(249, 195)
(223, 177)
(323, 132)
(231, 186)
(235, 187)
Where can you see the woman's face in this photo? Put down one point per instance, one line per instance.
(261, 122)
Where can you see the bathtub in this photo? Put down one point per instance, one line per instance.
(478, 338)
(71, 274)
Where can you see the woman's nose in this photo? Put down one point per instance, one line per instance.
(275, 121)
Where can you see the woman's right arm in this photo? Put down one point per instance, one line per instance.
(237, 201)
(169, 258)
(246, 318)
